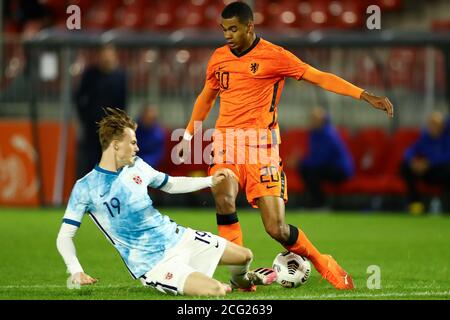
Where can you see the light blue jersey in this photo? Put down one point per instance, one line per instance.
(119, 204)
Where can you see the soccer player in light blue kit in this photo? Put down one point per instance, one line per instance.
(156, 250)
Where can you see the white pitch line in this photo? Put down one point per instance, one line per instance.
(51, 286)
(361, 295)
(299, 297)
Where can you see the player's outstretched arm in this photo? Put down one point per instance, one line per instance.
(202, 107)
(333, 83)
(191, 184)
(66, 248)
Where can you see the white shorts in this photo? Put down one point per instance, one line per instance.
(197, 251)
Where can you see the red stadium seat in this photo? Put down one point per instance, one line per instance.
(261, 13)
(161, 17)
(345, 136)
(439, 69)
(100, 15)
(388, 180)
(377, 160)
(352, 15)
(140, 64)
(429, 189)
(389, 5)
(294, 144)
(402, 139)
(440, 25)
(293, 141)
(367, 73)
(211, 14)
(189, 15)
(83, 4)
(57, 7)
(130, 14)
(313, 14)
(196, 66)
(281, 14)
(11, 27)
(369, 147)
(407, 68)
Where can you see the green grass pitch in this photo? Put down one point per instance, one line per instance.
(413, 254)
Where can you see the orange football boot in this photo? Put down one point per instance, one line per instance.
(335, 275)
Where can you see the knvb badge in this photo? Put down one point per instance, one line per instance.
(254, 67)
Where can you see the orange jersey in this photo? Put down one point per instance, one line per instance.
(250, 85)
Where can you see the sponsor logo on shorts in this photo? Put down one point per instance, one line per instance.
(169, 276)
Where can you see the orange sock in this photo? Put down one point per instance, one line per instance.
(230, 228)
(304, 247)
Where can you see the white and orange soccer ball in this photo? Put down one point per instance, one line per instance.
(292, 270)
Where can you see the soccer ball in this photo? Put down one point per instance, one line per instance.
(292, 270)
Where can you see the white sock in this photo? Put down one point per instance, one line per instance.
(239, 274)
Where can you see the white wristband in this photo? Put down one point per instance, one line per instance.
(187, 136)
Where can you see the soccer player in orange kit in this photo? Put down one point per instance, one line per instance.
(248, 74)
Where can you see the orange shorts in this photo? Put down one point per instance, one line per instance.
(259, 170)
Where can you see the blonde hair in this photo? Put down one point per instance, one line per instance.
(112, 126)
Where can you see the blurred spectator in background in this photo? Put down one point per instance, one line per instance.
(328, 159)
(151, 136)
(428, 160)
(24, 18)
(27, 16)
(102, 85)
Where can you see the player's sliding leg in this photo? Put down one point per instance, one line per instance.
(238, 260)
(227, 220)
(199, 284)
(295, 240)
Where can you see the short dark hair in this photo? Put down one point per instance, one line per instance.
(238, 9)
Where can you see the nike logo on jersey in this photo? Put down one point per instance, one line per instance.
(102, 195)
(270, 187)
(217, 245)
